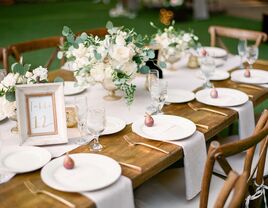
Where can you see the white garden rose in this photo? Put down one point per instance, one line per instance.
(10, 80)
(121, 54)
(186, 37)
(120, 40)
(81, 51)
(130, 68)
(28, 74)
(109, 73)
(40, 72)
(97, 72)
(9, 108)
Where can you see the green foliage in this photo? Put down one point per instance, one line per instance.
(58, 79)
(10, 96)
(20, 68)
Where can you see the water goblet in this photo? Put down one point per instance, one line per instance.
(207, 68)
(159, 94)
(96, 122)
(242, 50)
(252, 55)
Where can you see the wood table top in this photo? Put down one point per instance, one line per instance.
(15, 194)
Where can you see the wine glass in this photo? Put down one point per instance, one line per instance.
(96, 122)
(242, 50)
(159, 94)
(207, 66)
(151, 77)
(252, 55)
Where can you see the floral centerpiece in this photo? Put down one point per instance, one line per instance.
(20, 74)
(113, 61)
(172, 42)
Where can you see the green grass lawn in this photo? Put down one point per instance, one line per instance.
(23, 22)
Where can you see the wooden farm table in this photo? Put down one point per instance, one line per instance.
(15, 194)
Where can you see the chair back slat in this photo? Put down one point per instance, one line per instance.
(100, 32)
(217, 32)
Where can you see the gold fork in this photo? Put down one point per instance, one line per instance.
(34, 190)
(206, 109)
(132, 143)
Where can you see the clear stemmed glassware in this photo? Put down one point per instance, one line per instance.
(96, 122)
(207, 69)
(151, 77)
(159, 94)
(252, 55)
(242, 50)
(81, 107)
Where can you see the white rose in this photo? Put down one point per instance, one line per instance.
(28, 74)
(10, 80)
(81, 51)
(121, 54)
(21, 80)
(9, 108)
(187, 37)
(40, 72)
(130, 68)
(120, 40)
(97, 72)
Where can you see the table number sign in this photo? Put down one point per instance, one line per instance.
(41, 114)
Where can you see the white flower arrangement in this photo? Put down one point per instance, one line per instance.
(20, 74)
(119, 56)
(172, 40)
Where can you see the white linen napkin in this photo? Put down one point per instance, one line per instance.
(118, 195)
(195, 156)
(246, 121)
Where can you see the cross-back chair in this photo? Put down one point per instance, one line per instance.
(100, 32)
(222, 152)
(168, 190)
(217, 32)
(17, 50)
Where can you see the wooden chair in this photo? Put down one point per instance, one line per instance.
(100, 32)
(17, 50)
(167, 189)
(217, 32)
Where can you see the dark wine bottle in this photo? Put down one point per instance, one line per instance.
(152, 64)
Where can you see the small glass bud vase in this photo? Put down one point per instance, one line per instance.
(111, 88)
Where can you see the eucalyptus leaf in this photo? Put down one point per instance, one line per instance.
(151, 54)
(58, 79)
(10, 96)
(97, 55)
(162, 64)
(144, 69)
(109, 25)
(19, 68)
(65, 31)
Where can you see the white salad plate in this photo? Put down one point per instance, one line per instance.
(166, 127)
(226, 97)
(2, 117)
(216, 52)
(256, 76)
(179, 96)
(23, 159)
(113, 125)
(91, 172)
(217, 75)
(70, 88)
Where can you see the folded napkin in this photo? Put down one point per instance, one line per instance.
(195, 156)
(118, 195)
(246, 121)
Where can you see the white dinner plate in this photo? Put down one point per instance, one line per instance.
(217, 75)
(179, 96)
(23, 159)
(91, 172)
(216, 52)
(256, 76)
(2, 117)
(226, 97)
(71, 89)
(166, 127)
(113, 125)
